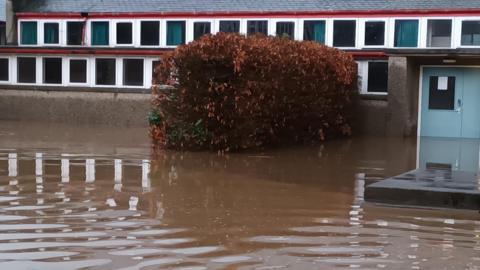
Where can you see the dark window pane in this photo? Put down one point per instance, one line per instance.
(377, 77)
(105, 71)
(133, 72)
(28, 33)
(124, 33)
(230, 26)
(50, 33)
(3, 38)
(314, 31)
(78, 71)
(471, 33)
(75, 33)
(175, 33)
(441, 99)
(406, 33)
(150, 33)
(100, 33)
(439, 33)
(26, 69)
(52, 70)
(374, 33)
(344, 33)
(254, 27)
(200, 29)
(286, 29)
(4, 69)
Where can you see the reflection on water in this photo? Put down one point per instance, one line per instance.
(117, 206)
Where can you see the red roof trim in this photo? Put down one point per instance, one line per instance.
(239, 14)
(133, 52)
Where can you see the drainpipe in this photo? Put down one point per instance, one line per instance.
(11, 23)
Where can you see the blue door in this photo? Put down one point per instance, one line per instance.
(450, 103)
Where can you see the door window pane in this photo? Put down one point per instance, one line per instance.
(150, 33)
(471, 33)
(78, 71)
(344, 33)
(374, 33)
(175, 33)
(75, 33)
(406, 33)
(26, 69)
(439, 33)
(124, 33)
(286, 29)
(377, 77)
(52, 70)
(200, 29)
(133, 72)
(50, 33)
(100, 33)
(230, 26)
(105, 71)
(314, 31)
(260, 27)
(4, 68)
(28, 33)
(440, 97)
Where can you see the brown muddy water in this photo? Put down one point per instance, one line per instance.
(99, 198)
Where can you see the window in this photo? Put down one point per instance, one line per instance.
(200, 29)
(124, 33)
(78, 71)
(406, 33)
(254, 27)
(175, 33)
(344, 33)
(28, 33)
(4, 69)
(105, 71)
(75, 33)
(314, 31)
(133, 72)
(286, 29)
(26, 69)
(52, 70)
(150, 33)
(441, 93)
(50, 33)
(439, 33)
(470, 33)
(230, 26)
(377, 77)
(374, 33)
(100, 33)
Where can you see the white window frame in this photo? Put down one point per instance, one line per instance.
(301, 27)
(38, 70)
(62, 83)
(424, 27)
(357, 34)
(111, 33)
(39, 33)
(296, 35)
(67, 71)
(65, 34)
(122, 82)
(459, 28)
(363, 74)
(134, 31)
(191, 34)
(139, 36)
(363, 27)
(163, 29)
(9, 59)
(216, 29)
(391, 32)
(41, 38)
(270, 30)
(93, 70)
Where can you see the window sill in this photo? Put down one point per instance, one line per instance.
(374, 96)
(113, 89)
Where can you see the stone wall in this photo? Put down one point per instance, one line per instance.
(116, 109)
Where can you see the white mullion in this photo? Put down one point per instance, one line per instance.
(456, 32)
(65, 71)
(329, 32)
(119, 72)
(163, 33)
(422, 32)
(243, 26)
(39, 70)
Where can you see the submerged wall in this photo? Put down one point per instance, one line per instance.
(117, 109)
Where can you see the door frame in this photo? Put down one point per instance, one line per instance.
(420, 87)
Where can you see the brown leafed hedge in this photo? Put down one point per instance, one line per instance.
(233, 92)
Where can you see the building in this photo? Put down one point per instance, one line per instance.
(2, 22)
(417, 58)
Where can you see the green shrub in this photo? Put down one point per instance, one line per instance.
(233, 92)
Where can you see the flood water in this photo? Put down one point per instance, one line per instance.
(99, 198)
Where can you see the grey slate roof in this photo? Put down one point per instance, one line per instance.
(119, 6)
(2, 11)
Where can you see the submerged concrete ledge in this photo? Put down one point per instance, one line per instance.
(428, 188)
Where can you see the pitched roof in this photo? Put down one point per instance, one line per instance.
(119, 6)
(2, 11)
